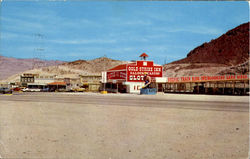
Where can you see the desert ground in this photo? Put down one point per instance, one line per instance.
(123, 126)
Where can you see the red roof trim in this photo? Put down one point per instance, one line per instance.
(119, 67)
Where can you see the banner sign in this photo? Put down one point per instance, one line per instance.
(136, 72)
(121, 75)
(207, 78)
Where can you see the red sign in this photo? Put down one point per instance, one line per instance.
(116, 75)
(207, 78)
(135, 72)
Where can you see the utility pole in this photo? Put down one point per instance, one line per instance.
(38, 51)
(105, 74)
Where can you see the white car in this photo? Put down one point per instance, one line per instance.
(31, 90)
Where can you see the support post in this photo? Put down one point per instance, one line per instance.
(244, 87)
(207, 87)
(233, 87)
(198, 89)
(224, 86)
(117, 87)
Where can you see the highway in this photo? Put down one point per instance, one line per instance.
(121, 126)
(133, 101)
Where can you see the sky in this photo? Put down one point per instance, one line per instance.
(167, 31)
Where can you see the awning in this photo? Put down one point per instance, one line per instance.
(57, 84)
(36, 84)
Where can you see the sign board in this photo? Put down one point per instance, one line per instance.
(116, 75)
(135, 72)
(160, 79)
(207, 78)
(104, 77)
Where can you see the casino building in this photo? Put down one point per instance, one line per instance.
(128, 78)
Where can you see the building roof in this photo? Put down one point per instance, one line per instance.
(57, 83)
(119, 67)
(143, 55)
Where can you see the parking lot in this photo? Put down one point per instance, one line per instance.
(123, 126)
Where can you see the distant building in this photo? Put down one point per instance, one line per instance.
(71, 82)
(91, 82)
(57, 86)
(35, 80)
(27, 78)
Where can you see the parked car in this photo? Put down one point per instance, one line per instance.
(78, 89)
(5, 90)
(45, 90)
(61, 90)
(31, 90)
(16, 89)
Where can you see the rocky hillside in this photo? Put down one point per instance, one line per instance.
(10, 66)
(74, 69)
(224, 55)
(231, 48)
(95, 66)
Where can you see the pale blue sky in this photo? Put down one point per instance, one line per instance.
(166, 30)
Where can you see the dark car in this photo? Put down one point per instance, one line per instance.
(5, 90)
(45, 90)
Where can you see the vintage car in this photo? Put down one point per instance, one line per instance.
(5, 90)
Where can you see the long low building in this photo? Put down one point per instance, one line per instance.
(226, 84)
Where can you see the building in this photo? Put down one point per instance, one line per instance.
(91, 82)
(35, 80)
(71, 82)
(57, 86)
(129, 77)
(217, 84)
(27, 78)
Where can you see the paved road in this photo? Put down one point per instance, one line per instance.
(122, 126)
(132, 100)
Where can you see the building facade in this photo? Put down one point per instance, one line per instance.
(129, 78)
(91, 82)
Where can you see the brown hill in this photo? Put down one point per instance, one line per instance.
(95, 66)
(10, 66)
(74, 69)
(228, 54)
(230, 49)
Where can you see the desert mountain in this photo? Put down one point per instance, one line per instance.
(74, 69)
(95, 66)
(230, 49)
(228, 54)
(10, 66)
(83, 67)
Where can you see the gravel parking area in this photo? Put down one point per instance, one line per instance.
(123, 126)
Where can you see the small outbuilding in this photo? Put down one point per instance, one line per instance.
(57, 86)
